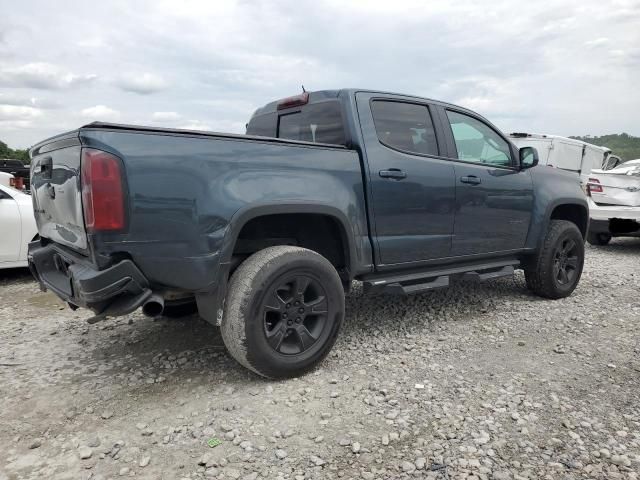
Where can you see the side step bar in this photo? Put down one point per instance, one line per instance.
(422, 281)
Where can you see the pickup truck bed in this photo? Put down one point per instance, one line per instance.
(267, 230)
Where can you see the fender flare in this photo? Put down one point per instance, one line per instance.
(244, 215)
(557, 203)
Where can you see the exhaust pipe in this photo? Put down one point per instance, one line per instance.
(154, 306)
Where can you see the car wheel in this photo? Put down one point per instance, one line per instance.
(556, 271)
(283, 311)
(599, 238)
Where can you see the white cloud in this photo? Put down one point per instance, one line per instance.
(23, 100)
(597, 42)
(41, 75)
(195, 125)
(100, 112)
(13, 112)
(556, 66)
(15, 117)
(166, 116)
(142, 84)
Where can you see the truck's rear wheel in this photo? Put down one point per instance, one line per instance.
(283, 312)
(556, 271)
(601, 238)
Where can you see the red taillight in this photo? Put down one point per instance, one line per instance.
(17, 183)
(295, 101)
(102, 192)
(593, 186)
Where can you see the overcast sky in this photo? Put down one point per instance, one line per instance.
(559, 67)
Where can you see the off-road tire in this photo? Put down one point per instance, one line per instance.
(540, 275)
(599, 239)
(243, 324)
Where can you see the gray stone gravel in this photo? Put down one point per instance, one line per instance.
(475, 382)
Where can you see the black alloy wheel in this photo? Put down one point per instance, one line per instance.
(294, 313)
(283, 311)
(565, 262)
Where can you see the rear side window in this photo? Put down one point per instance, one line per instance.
(405, 126)
(263, 125)
(316, 122)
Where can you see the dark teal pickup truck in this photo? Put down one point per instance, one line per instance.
(264, 232)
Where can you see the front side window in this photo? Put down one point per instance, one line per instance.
(316, 122)
(405, 126)
(477, 142)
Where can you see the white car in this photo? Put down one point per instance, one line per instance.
(17, 226)
(614, 202)
(6, 179)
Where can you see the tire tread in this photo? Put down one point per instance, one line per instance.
(240, 293)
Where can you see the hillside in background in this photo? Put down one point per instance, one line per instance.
(6, 152)
(625, 146)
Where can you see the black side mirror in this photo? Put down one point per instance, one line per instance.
(528, 157)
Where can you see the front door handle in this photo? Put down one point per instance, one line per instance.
(471, 179)
(394, 173)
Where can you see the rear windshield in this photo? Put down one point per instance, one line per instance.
(316, 122)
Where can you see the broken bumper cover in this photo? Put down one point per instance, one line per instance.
(116, 290)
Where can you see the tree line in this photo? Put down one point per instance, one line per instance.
(6, 152)
(626, 146)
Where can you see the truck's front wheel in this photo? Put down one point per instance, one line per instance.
(556, 270)
(283, 312)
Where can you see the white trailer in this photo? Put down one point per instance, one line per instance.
(567, 153)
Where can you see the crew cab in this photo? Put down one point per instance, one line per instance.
(266, 231)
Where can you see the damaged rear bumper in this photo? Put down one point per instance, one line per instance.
(116, 290)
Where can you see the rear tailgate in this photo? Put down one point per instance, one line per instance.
(620, 186)
(56, 191)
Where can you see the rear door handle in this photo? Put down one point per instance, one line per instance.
(471, 179)
(394, 173)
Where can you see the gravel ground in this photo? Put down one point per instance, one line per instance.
(478, 381)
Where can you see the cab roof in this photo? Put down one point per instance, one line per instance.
(324, 95)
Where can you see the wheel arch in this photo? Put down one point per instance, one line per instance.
(573, 212)
(561, 208)
(241, 218)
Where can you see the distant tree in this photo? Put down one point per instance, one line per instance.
(6, 152)
(624, 145)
